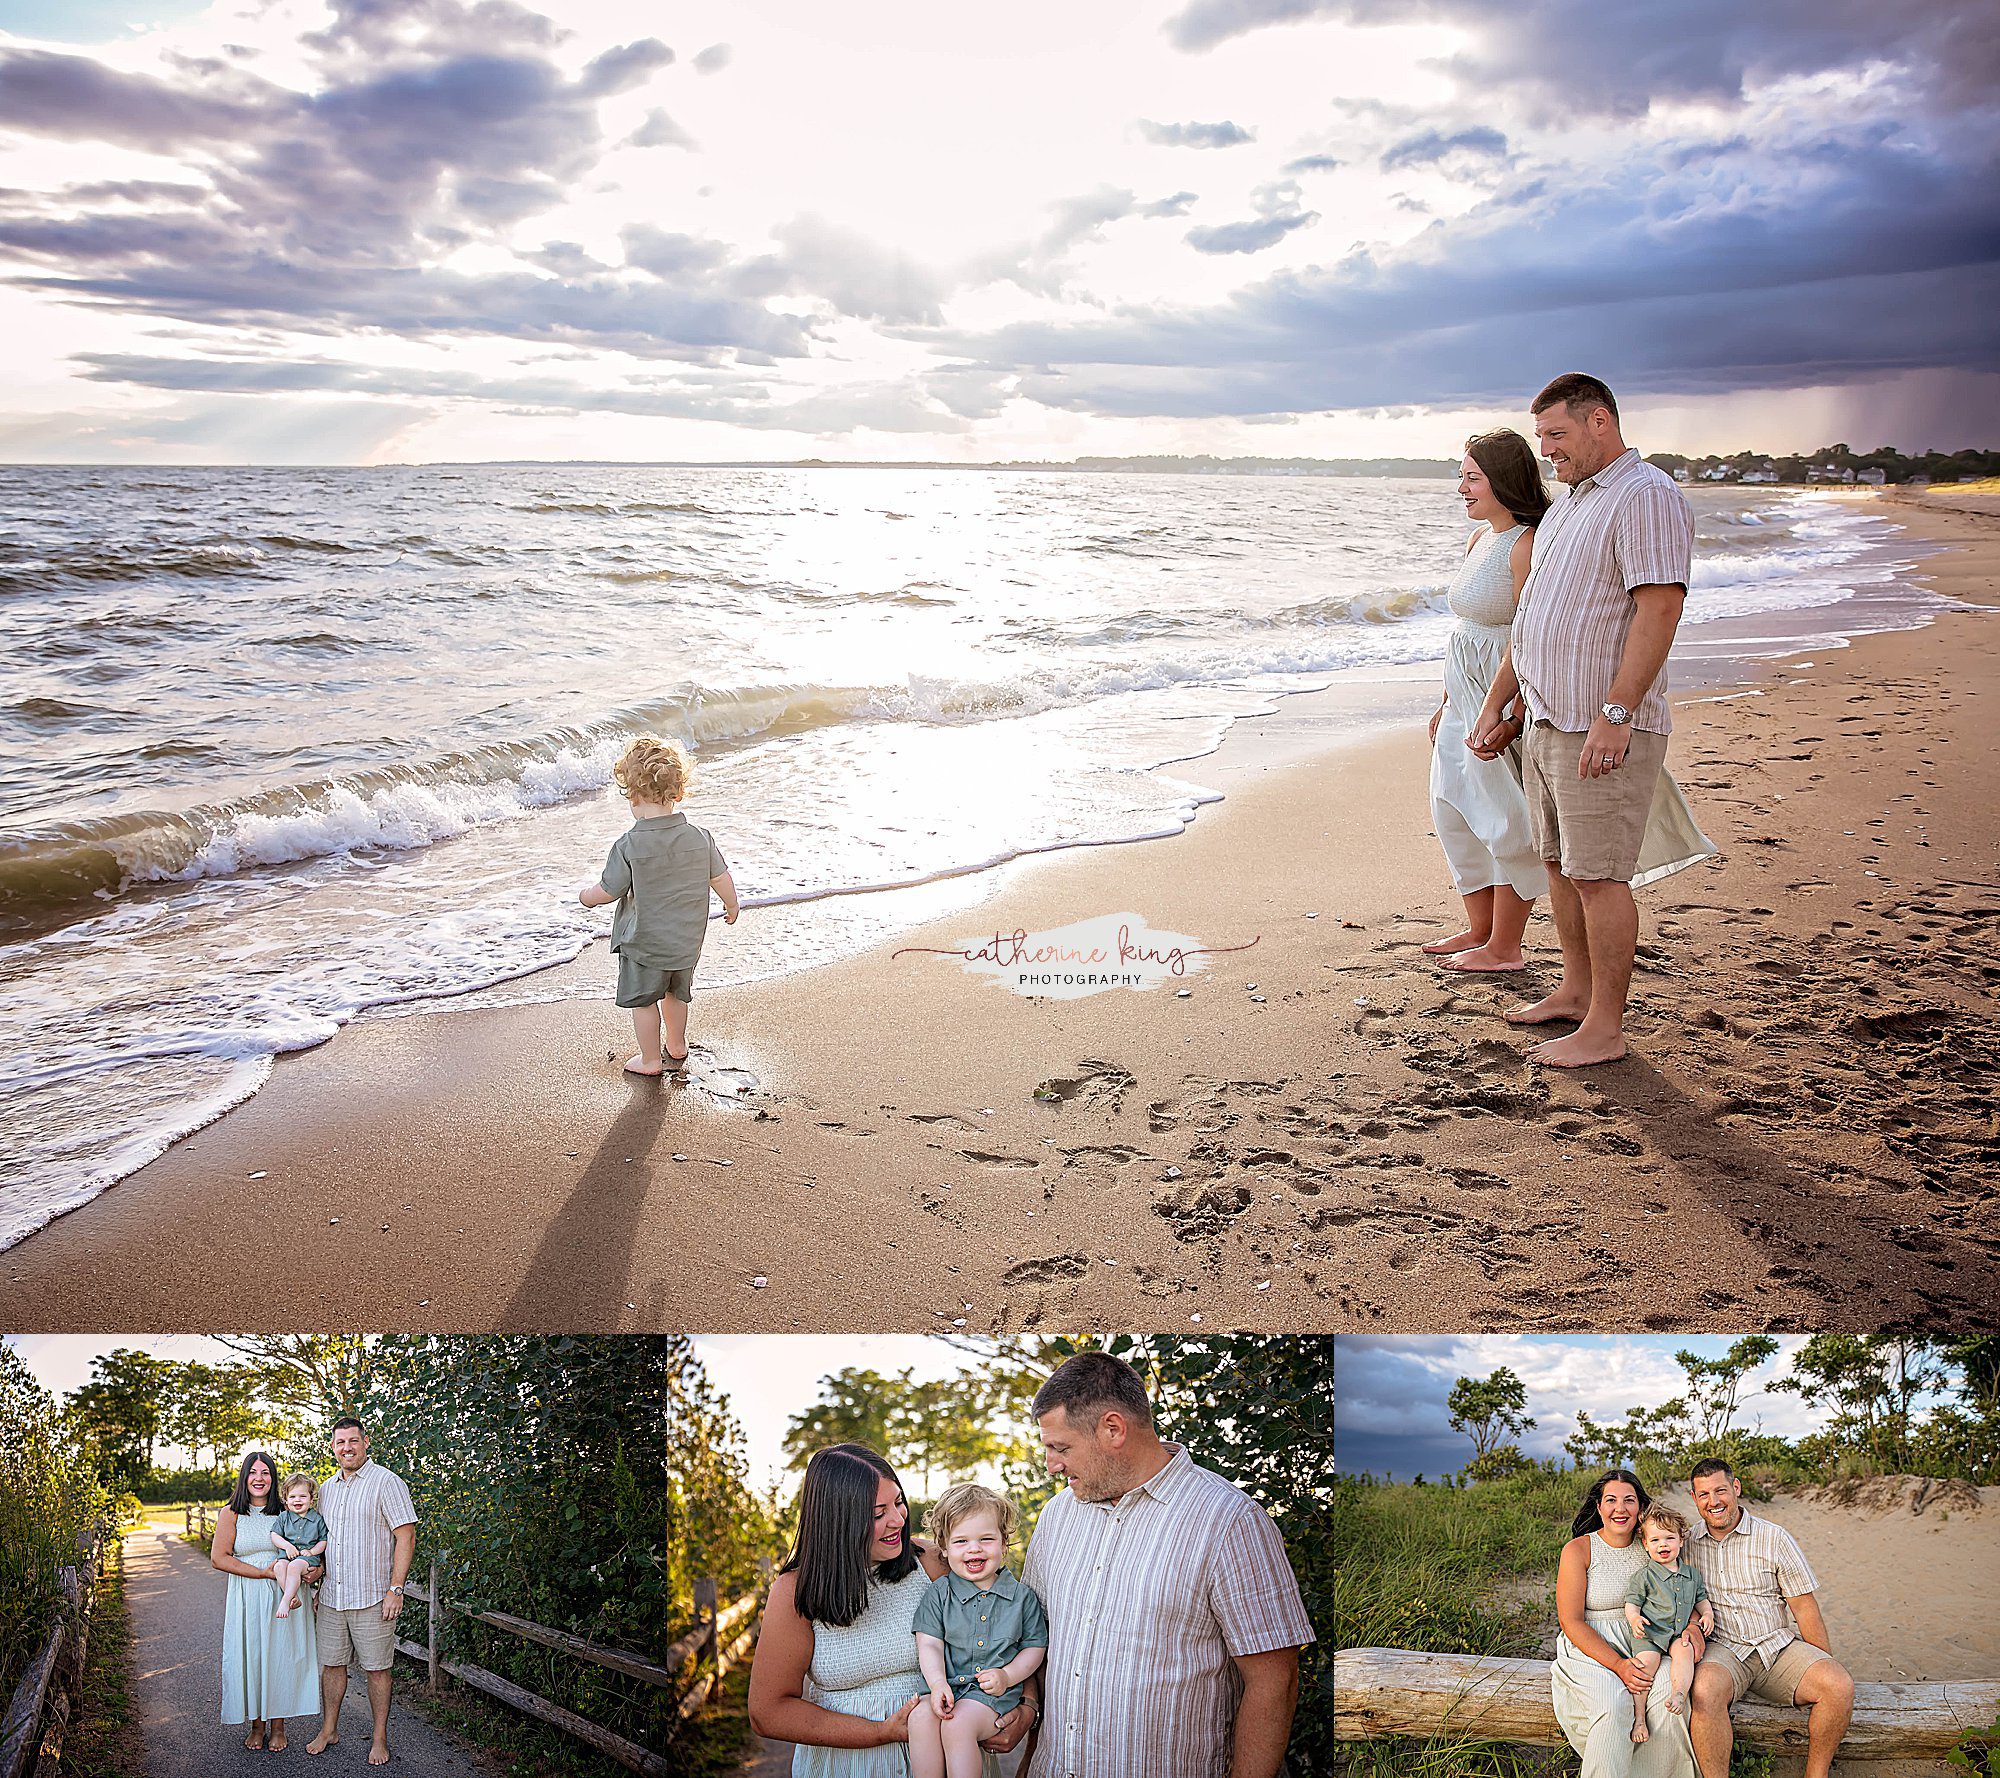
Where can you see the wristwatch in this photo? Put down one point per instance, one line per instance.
(1615, 714)
(398, 1591)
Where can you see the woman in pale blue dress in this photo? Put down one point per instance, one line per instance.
(836, 1668)
(1594, 1652)
(270, 1664)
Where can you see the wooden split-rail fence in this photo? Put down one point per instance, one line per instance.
(690, 1672)
(38, 1714)
(1399, 1692)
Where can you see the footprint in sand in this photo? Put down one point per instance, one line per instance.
(1055, 1269)
(1198, 1211)
(1094, 1086)
(998, 1160)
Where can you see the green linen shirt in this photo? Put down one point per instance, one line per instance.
(660, 869)
(982, 1627)
(1666, 1598)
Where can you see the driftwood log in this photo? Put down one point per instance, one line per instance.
(1395, 1691)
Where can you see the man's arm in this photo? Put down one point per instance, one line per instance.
(1647, 643)
(1812, 1626)
(399, 1570)
(1264, 1714)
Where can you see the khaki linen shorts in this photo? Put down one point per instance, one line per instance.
(1591, 829)
(1775, 1681)
(357, 1638)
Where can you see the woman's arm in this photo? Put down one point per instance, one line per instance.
(1572, 1586)
(778, 1706)
(222, 1549)
(1521, 559)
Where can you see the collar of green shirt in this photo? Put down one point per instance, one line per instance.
(659, 820)
(1004, 1586)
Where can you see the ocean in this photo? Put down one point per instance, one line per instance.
(283, 747)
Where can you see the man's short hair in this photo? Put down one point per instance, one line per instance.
(1711, 1466)
(350, 1420)
(1087, 1386)
(1578, 393)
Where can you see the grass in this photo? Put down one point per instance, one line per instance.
(105, 1741)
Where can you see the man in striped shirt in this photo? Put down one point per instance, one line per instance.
(1588, 656)
(1769, 1638)
(1174, 1617)
(371, 1539)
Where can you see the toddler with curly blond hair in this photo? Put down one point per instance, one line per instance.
(660, 872)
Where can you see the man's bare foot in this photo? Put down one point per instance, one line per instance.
(1560, 1005)
(1459, 941)
(378, 1753)
(278, 1741)
(1484, 960)
(1580, 1049)
(322, 1741)
(639, 1065)
(254, 1740)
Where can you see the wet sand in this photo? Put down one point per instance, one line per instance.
(1327, 1134)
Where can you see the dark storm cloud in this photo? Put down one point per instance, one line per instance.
(433, 125)
(1836, 261)
(1433, 146)
(1623, 58)
(1196, 135)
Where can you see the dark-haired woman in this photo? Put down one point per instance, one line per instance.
(1477, 807)
(836, 1668)
(1597, 1684)
(270, 1664)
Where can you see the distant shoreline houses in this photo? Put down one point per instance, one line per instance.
(1834, 465)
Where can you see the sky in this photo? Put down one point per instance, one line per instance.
(1389, 1393)
(767, 1377)
(418, 230)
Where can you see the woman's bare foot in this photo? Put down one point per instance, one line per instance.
(639, 1065)
(1582, 1048)
(1560, 1005)
(1459, 941)
(278, 1741)
(1484, 960)
(254, 1740)
(322, 1741)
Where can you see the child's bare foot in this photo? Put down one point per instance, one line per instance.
(1678, 1703)
(1639, 1730)
(322, 1741)
(676, 1062)
(1484, 960)
(284, 1609)
(1459, 941)
(640, 1065)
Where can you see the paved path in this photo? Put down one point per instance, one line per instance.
(175, 1602)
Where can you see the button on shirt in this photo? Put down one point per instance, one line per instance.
(1750, 1574)
(1627, 526)
(1149, 1596)
(660, 869)
(362, 1513)
(980, 1627)
(1666, 1597)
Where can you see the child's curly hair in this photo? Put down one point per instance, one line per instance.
(293, 1480)
(1666, 1518)
(653, 771)
(956, 1505)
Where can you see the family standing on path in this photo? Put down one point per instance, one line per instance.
(1171, 1617)
(285, 1654)
(1625, 1701)
(1548, 753)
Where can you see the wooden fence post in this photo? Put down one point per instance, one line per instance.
(433, 1612)
(705, 1608)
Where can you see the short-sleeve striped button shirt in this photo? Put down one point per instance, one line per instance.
(1750, 1573)
(1148, 1597)
(362, 1513)
(1627, 526)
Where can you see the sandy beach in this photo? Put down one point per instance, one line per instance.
(1328, 1133)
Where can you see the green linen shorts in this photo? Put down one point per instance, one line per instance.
(640, 984)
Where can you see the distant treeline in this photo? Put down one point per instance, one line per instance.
(1834, 464)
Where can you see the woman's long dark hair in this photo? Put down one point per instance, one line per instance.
(836, 1528)
(1513, 471)
(239, 1501)
(1588, 1518)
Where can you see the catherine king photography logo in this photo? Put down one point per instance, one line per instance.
(1091, 957)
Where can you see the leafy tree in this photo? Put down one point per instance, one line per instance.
(316, 1377)
(941, 1430)
(120, 1409)
(1485, 1409)
(1715, 1384)
(214, 1408)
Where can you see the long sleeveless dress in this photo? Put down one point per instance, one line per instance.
(868, 1668)
(270, 1665)
(1477, 808)
(1592, 1704)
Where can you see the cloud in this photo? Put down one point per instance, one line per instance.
(659, 131)
(1434, 146)
(1313, 163)
(1583, 56)
(430, 126)
(1278, 213)
(1042, 265)
(1195, 135)
(858, 276)
(1176, 205)
(713, 59)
